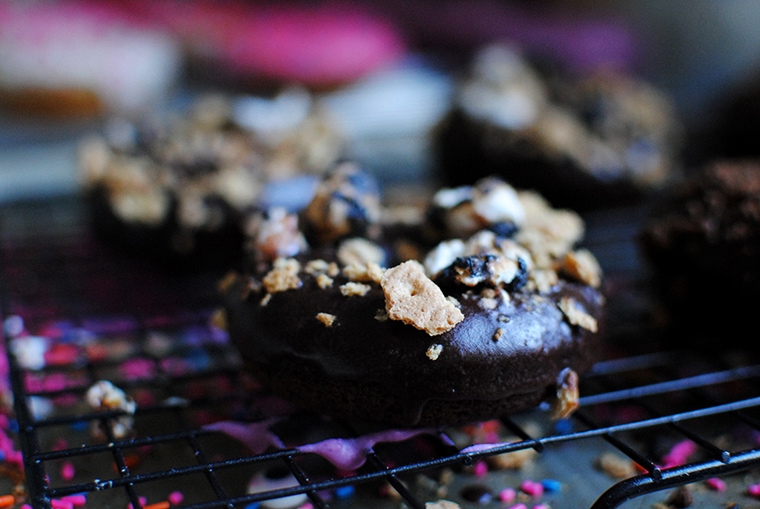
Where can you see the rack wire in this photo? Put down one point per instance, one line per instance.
(106, 316)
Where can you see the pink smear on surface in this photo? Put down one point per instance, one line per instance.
(351, 453)
(256, 436)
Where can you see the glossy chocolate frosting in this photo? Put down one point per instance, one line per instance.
(288, 346)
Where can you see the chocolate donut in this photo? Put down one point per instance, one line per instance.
(482, 325)
(702, 243)
(583, 141)
(176, 188)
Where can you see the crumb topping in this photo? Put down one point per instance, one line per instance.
(354, 289)
(567, 396)
(414, 299)
(326, 318)
(360, 251)
(283, 276)
(274, 234)
(367, 272)
(583, 266)
(434, 351)
(577, 316)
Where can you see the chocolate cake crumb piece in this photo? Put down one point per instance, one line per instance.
(324, 281)
(414, 299)
(498, 334)
(283, 276)
(576, 316)
(326, 318)
(566, 401)
(353, 289)
(434, 351)
(582, 266)
(615, 465)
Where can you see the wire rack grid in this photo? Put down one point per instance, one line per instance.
(653, 422)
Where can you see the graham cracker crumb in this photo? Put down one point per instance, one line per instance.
(364, 272)
(326, 318)
(283, 276)
(434, 351)
(265, 299)
(498, 334)
(568, 395)
(414, 299)
(352, 289)
(615, 465)
(583, 266)
(576, 316)
(324, 281)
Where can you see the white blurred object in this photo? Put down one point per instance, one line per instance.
(51, 46)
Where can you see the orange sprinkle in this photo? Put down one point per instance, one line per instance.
(158, 505)
(7, 500)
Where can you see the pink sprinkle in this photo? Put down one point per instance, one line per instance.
(716, 484)
(26, 506)
(518, 506)
(176, 497)
(507, 495)
(61, 504)
(532, 488)
(679, 454)
(754, 490)
(142, 500)
(67, 471)
(480, 469)
(77, 500)
(540, 506)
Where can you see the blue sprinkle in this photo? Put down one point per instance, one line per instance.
(80, 425)
(253, 505)
(551, 485)
(13, 425)
(563, 427)
(344, 491)
(2, 455)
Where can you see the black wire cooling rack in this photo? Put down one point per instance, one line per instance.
(656, 424)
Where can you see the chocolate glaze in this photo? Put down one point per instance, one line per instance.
(377, 370)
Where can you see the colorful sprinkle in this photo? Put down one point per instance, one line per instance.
(532, 488)
(518, 506)
(480, 469)
(7, 500)
(176, 497)
(551, 485)
(77, 500)
(344, 491)
(507, 495)
(754, 490)
(158, 505)
(67, 471)
(679, 453)
(57, 503)
(716, 484)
